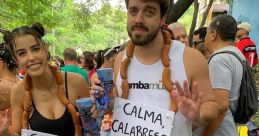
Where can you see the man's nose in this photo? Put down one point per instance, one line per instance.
(139, 17)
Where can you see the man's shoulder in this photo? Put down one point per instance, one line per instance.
(246, 41)
(69, 67)
(226, 60)
(73, 68)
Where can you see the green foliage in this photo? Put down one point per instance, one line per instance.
(83, 26)
(186, 19)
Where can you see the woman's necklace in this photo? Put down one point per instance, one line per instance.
(27, 104)
(166, 76)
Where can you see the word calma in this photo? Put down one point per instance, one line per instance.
(134, 130)
(137, 112)
(138, 115)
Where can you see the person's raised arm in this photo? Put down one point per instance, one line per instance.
(197, 71)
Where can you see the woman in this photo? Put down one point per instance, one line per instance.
(106, 57)
(44, 101)
(89, 65)
(7, 80)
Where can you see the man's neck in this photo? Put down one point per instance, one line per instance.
(150, 53)
(220, 44)
(71, 62)
(244, 35)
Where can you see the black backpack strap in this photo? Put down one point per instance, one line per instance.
(243, 62)
(66, 85)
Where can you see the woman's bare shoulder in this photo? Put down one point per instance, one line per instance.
(77, 83)
(75, 78)
(17, 89)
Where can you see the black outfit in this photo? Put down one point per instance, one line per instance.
(62, 126)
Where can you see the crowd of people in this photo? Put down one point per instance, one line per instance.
(39, 91)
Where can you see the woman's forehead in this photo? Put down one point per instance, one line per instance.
(25, 40)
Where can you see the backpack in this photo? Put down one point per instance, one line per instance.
(247, 101)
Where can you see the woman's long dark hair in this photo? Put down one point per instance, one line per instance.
(5, 54)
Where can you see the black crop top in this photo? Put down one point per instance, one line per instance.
(62, 126)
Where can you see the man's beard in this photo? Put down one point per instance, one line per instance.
(141, 40)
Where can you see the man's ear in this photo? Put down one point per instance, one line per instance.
(214, 35)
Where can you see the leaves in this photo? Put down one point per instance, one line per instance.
(84, 25)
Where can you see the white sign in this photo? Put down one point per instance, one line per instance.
(134, 119)
(26, 132)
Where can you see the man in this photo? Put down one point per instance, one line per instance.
(245, 44)
(225, 73)
(179, 32)
(189, 69)
(198, 40)
(70, 57)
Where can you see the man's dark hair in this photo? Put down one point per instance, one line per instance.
(201, 32)
(70, 54)
(225, 26)
(164, 4)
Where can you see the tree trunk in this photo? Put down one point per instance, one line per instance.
(194, 20)
(205, 14)
(176, 10)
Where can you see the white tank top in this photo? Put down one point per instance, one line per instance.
(145, 82)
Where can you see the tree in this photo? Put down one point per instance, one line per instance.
(194, 20)
(176, 10)
(205, 14)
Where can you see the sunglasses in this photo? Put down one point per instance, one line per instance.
(195, 43)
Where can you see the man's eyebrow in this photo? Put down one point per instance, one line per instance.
(151, 7)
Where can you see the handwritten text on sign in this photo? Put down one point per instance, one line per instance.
(135, 119)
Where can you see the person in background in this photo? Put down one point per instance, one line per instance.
(225, 72)
(245, 44)
(169, 31)
(44, 101)
(70, 57)
(80, 62)
(106, 57)
(8, 77)
(179, 32)
(89, 65)
(198, 41)
(58, 61)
